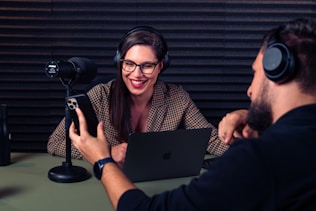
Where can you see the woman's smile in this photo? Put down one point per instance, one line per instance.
(136, 81)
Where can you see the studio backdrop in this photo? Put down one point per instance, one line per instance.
(212, 44)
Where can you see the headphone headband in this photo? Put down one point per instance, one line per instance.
(118, 54)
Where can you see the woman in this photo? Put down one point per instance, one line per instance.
(136, 101)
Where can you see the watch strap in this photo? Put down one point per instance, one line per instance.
(98, 166)
(106, 160)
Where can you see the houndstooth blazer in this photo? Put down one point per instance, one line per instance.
(171, 109)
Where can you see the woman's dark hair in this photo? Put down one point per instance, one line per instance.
(119, 97)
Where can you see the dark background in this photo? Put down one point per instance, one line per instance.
(212, 44)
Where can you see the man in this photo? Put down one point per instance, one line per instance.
(276, 171)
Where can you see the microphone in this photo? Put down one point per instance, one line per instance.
(76, 68)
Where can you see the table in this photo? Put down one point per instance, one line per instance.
(24, 185)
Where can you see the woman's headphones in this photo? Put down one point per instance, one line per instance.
(279, 62)
(118, 54)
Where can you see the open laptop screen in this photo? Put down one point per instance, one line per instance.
(166, 154)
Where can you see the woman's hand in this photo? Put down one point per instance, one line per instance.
(118, 153)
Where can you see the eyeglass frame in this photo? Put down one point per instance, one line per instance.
(139, 65)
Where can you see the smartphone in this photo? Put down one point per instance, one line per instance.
(82, 101)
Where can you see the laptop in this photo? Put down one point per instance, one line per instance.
(165, 154)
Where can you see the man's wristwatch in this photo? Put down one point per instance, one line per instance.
(98, 166)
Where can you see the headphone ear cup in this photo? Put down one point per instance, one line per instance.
(116, 58)
(166, 62)
(278, 63)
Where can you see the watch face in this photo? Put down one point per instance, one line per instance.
(97, 169)
(98, 166)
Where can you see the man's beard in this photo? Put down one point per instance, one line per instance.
(260, 113)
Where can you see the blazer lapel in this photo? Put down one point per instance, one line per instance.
(158, 109)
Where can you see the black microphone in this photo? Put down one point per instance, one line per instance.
(76, 68)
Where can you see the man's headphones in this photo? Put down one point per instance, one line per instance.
(118, 54)
(279, 62)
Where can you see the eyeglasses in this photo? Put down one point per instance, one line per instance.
(145, 68)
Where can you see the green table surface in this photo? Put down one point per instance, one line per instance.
(24, 185)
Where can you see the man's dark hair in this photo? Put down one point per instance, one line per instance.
(300, 37)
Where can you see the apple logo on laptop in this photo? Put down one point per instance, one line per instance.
(166, 156)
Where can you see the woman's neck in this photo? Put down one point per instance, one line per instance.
(141, 100)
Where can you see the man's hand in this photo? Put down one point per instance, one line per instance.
(92, 148)
(233, 126)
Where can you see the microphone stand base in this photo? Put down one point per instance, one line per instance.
(68, 173)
